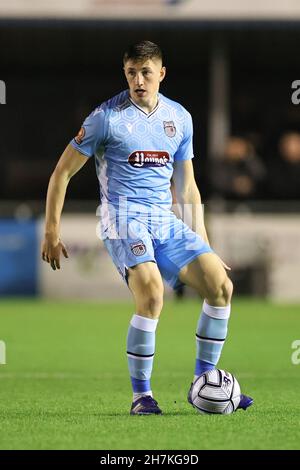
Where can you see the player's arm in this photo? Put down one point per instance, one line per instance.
(188, 197)
(69, 163)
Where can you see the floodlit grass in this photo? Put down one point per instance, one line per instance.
(66, 385)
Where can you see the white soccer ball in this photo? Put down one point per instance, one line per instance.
(216, 392)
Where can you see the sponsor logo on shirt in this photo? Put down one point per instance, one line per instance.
(169, 128)
(141, 158)
(80, 136)
(138, 248)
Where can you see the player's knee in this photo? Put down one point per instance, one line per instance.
(153, 305)
(150, 300)
(227, 290)
(220, 293)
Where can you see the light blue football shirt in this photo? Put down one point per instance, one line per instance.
(135, 151)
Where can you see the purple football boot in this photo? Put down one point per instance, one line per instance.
(145, 406)
(245, 402)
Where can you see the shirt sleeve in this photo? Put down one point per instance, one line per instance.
(92, 133)
(185, 149)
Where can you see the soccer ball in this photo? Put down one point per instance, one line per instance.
(217, 392)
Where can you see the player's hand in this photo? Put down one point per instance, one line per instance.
(51, 251)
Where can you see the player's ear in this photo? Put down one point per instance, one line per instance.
(163, 72)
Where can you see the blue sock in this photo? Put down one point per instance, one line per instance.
(210, 337)
(140, 353)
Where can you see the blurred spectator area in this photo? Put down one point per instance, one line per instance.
(284, 169)
(239, 173)
(56, 72)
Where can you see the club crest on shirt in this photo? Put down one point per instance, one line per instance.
(138, 248)
(80, 136)
(169, 128)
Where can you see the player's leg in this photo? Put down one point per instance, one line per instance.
(145, 283)
(208, 277)
(186, 258)
(135, 261)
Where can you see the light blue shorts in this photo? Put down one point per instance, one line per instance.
(169, 242)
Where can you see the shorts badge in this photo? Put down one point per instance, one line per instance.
(169, 128)
(138, 248)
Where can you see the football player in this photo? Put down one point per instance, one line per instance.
(140, 139)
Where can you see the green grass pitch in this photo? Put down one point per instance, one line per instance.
(66, 385)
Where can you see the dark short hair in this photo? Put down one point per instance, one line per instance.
(142, 51)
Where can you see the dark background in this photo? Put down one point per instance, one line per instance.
(56, 72)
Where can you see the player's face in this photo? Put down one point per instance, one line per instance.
(143, 79)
